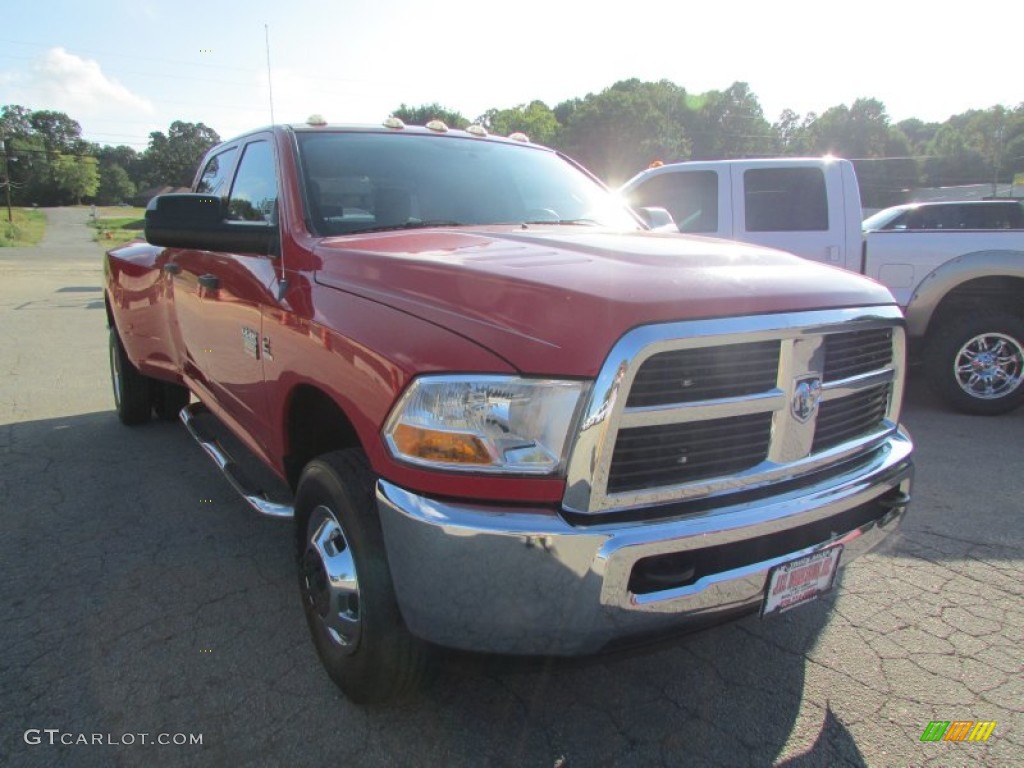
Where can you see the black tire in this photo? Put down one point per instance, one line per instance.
(356, 627)
(133, 392)
(976, 363)
(169, 399)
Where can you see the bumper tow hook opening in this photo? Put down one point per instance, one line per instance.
(896, 504)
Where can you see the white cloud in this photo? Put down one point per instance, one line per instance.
(68, 83)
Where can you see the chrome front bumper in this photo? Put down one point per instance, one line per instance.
(504, 580)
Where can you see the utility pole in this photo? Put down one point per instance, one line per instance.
(998, 148)
(7, 179)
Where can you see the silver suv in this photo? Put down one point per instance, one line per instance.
(973, 214)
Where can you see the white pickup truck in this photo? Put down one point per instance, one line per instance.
(961, 288)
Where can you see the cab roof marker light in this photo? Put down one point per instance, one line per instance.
(394, 122)
(317, 120)
(519, 136)
(476, 130)
(437, 125)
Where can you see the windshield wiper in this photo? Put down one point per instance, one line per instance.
(409, 225)
(567, 222)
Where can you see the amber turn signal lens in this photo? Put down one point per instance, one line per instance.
(431, 445)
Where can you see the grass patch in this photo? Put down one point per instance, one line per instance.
(27, 229)
(117, 224)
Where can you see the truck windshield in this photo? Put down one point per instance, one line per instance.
(360, 182)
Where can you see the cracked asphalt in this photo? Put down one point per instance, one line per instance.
(139, 595)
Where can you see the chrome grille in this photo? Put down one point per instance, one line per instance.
(677, 453)
(705, 408)
(850, 417)
(857, 352)
(686, 375)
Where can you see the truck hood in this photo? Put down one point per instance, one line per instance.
(553, 300)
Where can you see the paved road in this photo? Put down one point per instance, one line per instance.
(140, 596)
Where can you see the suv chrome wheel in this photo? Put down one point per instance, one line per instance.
(989, 366)
(975, 361)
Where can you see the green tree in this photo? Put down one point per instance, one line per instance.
(789, 133)
(918, 133)
(621, 130)
(953, 157)
(115, 185)
(977, 146)
(424, 113)
(59, 132)
(731, 124)
(1013, 144)
(860, 130)
(881, 153)
(173, 158)
(75, 176)
(15, 121)
(535, 119)
(126, 157)
(35, 141)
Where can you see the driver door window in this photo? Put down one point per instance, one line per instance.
(254, 193)
(217, 173)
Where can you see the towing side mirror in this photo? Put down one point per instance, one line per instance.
(657, 219)
(193, 220)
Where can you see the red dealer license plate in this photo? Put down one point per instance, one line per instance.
(800, 581)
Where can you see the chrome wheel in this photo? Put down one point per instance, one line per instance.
(330, 581)
(990, 366)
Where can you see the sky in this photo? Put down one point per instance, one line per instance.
(124, 69)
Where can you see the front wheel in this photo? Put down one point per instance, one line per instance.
(133, 392)
(346, 586)
(976, 363)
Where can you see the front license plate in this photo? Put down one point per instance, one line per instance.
(800, 581)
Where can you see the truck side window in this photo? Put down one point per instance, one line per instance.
(254, 193)
(995, 216)
(214, 180)
(691, 197)
(785, 200)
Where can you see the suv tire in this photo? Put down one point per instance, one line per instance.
(976, 363)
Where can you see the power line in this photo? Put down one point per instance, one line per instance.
(108, 54)
(177, 76)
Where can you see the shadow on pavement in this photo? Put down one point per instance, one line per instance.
(141, 596)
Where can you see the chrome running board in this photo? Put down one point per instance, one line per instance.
(257, 499)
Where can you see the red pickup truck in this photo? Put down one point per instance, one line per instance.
(509, 417)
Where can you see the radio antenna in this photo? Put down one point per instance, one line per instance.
(270, 84)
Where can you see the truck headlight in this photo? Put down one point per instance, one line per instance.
(485, 423)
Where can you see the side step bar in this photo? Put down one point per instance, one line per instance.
(257, 499)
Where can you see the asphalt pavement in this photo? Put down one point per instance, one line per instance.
(142, 602)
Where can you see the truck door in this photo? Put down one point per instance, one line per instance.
(185, 267)
(794, 208)
(220, 315)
